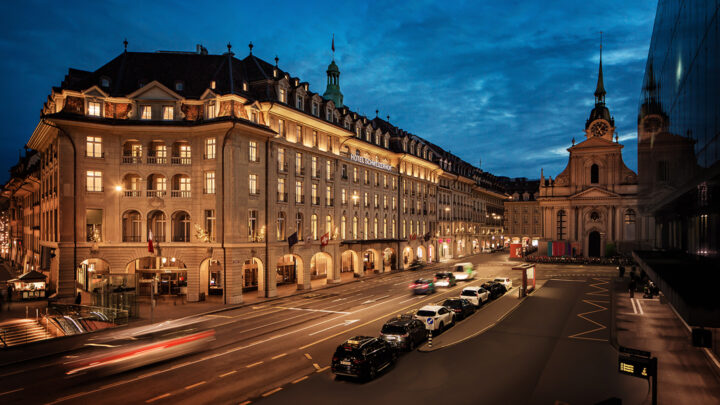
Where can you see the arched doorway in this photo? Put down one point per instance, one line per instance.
(431, 253)
(93, 275)
(252, 269)
(349, 264)
(288, 267)
(420, 255)
(594, 244)
(372, 260)
(389, 259)
(321, 266)
(407, 256)
(211, 277)
(169, 275)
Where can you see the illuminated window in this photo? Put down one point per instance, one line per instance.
(94, 108)
(252, 152)
(94, 147)
(94, 180)
(328, 225)
(210, 148)
(282, 95)
(210, 182)
(299, 197)
(328, 170)
(252, 184)
(168, 112)
(211, 113)
(314, 226)
(343, 230)
(252, 224)
(145, 112)
(280, 226)
(281, 128)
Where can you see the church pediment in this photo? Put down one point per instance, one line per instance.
(154, 91)
(95, 91)
(595, 142)
(594, 193)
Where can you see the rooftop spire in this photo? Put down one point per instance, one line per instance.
(125, 42)
(600, 89)
(250, 45)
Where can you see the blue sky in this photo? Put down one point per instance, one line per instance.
(504, 84)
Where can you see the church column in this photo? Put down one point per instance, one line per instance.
(581, 230)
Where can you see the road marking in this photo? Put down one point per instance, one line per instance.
(159, 397)
(227, 374)
(246, 402)
(220, 316)
(258, 307)
(317, 366)
(346, 323)
(10, 392)
(189, 387)
(632, 301)
(374, 299)
(300, 379)
(254, 364)
(309, 357)
(267, 394)
(320, 370)
(79, 394)
(315, 310)
(279, 355)
(639, 307)
(600, 326)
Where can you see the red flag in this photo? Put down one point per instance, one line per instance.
(333, 43)
(325, 239)
(150, 242)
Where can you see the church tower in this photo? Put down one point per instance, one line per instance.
(332, 92)
(600, 123)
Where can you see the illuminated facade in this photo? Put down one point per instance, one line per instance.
(224, 163)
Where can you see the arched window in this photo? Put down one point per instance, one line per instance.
(343, 229)
(384, 227)
(375, 228)
(561, 225)
(328, 225)
(131, 227)
(181, 227)
(157, 222)
(365, 228)
(594, 174)
(299, 225)
(355, 228)
(314, 227)
(393, 229)
(280, 226)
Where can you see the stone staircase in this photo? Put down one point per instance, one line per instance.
(22, 331)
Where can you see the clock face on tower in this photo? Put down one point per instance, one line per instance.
(652, 124)
(599, 128)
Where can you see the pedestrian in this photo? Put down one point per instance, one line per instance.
(78, 299)
(622, 271)
(9, 294)
(631, 287)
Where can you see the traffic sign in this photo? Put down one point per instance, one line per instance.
(636, 366)
(429, 321)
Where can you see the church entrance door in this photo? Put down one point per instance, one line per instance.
(594, 244)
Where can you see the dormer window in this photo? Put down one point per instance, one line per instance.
(145, 112)
(328, 114)
(299, 102)
(367, 136)
(387, 142)
(93, 108)
(179, 86)
(357, 132)
(245, 86)
(282, 95)
(168, 112)
(105, 82)
(211, 110)
(315, 109)
(254, 117)
(212, 84)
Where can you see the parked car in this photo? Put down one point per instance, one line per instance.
(464, 271)
(496, 289)
(487, 250)
(415, 265)
(423, 286)
(504, 281)
(461, 306)
(476, 295)
(435, 317)
(404, 332)
(444, 279)
(362, 357)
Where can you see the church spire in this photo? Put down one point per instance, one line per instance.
(332, 91)
(600, 89)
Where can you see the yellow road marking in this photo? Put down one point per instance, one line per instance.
(157, 398)
(246, 402)
(600, 326)
(267, 394)
(300, 379)
(279, 355)
(399, 310)
(189, 387)
(227, 374)
(317, 366)
(254, 364)
(309, 357)
(320, 370)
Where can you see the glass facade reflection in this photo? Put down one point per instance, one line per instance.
(679, 129)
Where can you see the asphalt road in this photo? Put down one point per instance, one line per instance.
(259, 349)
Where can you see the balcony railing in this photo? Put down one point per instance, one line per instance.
(131, 238)
(132, 193)
(315, 200)
(180, 194)
(329, 202)
(156, 193)
(157, 160)
(255, 192)
(300, 171)
(344, 177)
(282, 167)
(131, 159)
(282, 197)
(208, 156)
(180, 160)
(299, 199)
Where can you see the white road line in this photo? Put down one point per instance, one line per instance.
(639, 307)
(300, 379)
(254, 364)
(227, 374)
(346, 323)
(279, 355)
(315, 310)
(632, 301)
(157, 398)
(10, 392)
(189, 387)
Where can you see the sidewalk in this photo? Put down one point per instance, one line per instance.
(685, 373)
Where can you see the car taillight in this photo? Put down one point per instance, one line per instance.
(456, 310)
(405, 335)
(434, 279)
(358, 361)
(335, 358)
(412, 285)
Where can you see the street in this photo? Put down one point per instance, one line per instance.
(288, 342)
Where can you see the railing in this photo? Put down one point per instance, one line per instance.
(156, 193)
(131, 159)
(132, 193)
(344, 177)
(316, 176)
(155, 160)
(282, 167)
(300, 172)
(315, 200)
(329, 202)
(282, 197)
(131, 238)
(208, 156)
(176, 160)
(255, 192)
(180, 193)
(299, 199)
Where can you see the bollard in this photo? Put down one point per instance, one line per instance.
(430, 338)
(37, 314)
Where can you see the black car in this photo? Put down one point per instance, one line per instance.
(415, 265)
(362, 357)
(462, 307)
(495, 289)
(404, 332)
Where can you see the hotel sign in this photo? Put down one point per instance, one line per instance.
(370, 162)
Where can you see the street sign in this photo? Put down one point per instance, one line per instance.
(634, 352)
(636, 366)
(429, 321)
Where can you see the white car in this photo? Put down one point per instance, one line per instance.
(464, 271)
(476, 295)
(504, 281)
(435, 317)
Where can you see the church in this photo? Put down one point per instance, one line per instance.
(590, 208)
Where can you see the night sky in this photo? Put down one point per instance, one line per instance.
(504, 84)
